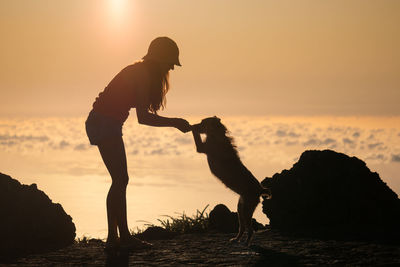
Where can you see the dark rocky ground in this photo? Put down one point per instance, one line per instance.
(269, 248)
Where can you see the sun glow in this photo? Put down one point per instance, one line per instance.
(117, 10)
(117, 5)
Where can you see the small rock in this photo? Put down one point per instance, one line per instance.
(156, 233)
(223, 220)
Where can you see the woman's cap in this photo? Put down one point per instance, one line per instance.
(163, 49)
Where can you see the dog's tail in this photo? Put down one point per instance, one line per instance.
(266, 192)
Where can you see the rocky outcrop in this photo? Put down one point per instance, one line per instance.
(326, 189)
(221, 219)
(30, 221)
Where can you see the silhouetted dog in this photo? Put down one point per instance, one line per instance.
(226, 165)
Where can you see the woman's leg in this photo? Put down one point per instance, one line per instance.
(113, 153)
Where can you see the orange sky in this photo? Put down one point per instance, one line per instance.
(239, 57)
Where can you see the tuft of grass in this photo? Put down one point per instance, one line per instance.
(184, 224)
(181, 224)
(83, 240)
(138, 230)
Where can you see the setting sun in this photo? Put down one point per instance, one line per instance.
(117, 6)
(120, 14)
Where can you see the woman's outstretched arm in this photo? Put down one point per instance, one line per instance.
(148, 118)
(142, 88)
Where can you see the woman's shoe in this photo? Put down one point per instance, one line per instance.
(111, 246)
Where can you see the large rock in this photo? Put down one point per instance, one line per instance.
(326, 189)
(221, 219)
(30, 221)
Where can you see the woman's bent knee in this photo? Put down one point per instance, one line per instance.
(120, 181)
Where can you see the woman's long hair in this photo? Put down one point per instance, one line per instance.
(159, 86)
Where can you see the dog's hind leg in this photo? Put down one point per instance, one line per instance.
(241, 219)
(249, 206)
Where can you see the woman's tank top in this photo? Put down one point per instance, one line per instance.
(119, 96)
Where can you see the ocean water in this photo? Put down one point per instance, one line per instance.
(167, 175)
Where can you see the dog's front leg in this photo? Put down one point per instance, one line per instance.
(200, 146)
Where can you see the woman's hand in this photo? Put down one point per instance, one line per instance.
(147, 118)
(182, 125)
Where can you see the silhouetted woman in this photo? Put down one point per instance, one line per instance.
(142, 85)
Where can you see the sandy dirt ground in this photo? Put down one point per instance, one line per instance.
(269, 248)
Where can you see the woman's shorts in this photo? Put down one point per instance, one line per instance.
(100, 127)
